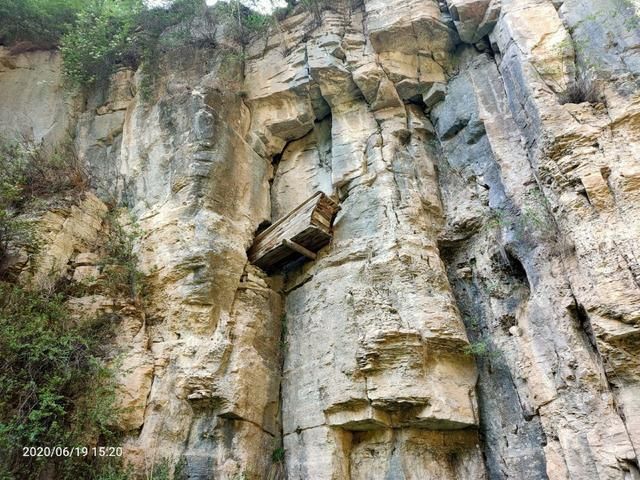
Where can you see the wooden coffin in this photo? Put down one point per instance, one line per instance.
(301, 233)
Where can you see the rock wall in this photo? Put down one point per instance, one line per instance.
(477, 313)
(34, 102)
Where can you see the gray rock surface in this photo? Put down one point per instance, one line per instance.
(477, 312)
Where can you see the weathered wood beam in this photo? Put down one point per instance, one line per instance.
(306, 229)
(299, 248)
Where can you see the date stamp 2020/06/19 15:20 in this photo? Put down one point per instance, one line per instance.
(71, 451)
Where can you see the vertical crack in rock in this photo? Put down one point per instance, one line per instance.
(476, 314)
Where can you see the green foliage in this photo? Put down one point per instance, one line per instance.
(120, 263)
(40, 171)
(160, 471)
(12, 177)
(243, 22)
(98, 36)
(101, 38)
(536, 218)
(278, 455)
(498, 219)
(108, 34)
(479, 349)
(56, 388)
(29, 171)
(36, 23)
(232, 64)
(161, 29)
(165, 469)
(113, 471)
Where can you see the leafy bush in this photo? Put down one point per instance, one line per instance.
(28, 24)
(161, 29)
(120, 263)
(111, 33)
(27, 171)
(481, 349)
(56, 390)
(278, 455)
(243, 22)
(12, 177)
(98, 36)
(478, 349)
(100, 39)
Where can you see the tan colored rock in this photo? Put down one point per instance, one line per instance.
(34, 103)
(85, 273)
(597, 190)
(135, 374)
(62, 232)
(86, 259)
(482, 281)
(121, 92)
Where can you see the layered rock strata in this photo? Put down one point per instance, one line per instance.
(477, 312)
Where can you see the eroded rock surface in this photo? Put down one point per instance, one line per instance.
(477, 313)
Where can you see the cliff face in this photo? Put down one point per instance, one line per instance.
(477, 314)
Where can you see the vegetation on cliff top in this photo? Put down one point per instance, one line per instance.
(32, 24)
(98, 36)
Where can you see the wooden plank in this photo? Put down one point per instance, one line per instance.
(304, 231)
(296, 221)
(313, 238)
(299, 248)
(319, 219)
(308, 204)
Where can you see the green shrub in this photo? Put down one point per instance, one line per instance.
(278, 455)
(28, 24)
(56, 389)
(120, 262)
(40, 171)
(29, 171)
(12, 178)
(101, 39)
(161, 29)
(477, 349)
(481, 349)
(243, 22)
(98, 36)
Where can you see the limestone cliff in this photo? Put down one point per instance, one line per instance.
(477, 313)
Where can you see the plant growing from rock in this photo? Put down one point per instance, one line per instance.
(31, 172)
(100, 39)
(276, 471)
(119, 265)
(480, 349)
(36, 24)
(583, 89)
(56, 388)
